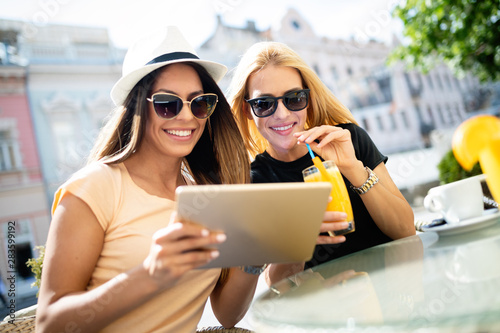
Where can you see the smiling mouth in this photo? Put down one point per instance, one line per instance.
(180, 133)
(283, 128)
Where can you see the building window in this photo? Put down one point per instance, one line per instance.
(380, 123)
(365, 125)
(392, 118)
(295, 25)
(334, 72)
(440, 114)
(419, 112)
(10, 156)
(316, 69)
(450, 113)
(439, 82)
(430, 82)
(404, 116)
(459, 114)
(457, 83)
(349, 71)
(431, 115)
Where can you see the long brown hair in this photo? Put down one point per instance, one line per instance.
(324, 108)
(219, 155)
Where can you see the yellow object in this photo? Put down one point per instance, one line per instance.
(322, 170)
(478, 140)
(328, 172)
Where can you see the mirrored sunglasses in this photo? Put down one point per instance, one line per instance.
(266, 106)
(168, 106)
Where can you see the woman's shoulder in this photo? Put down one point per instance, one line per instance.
(98, 169)
(96, 174)
(98, 184)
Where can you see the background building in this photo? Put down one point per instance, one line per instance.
(71, 72)
(24, 215)
(54, 96)
(398, 108)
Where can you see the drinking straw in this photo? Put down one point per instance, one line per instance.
(310, 151)
(318, 164)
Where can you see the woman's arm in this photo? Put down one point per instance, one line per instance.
(231, 298)
(385, 203)
(74, 244)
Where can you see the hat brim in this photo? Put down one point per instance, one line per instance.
(126, 83)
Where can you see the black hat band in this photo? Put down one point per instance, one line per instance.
(172, 56)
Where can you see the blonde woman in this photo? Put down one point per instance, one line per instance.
(280, 105)
(116, 259)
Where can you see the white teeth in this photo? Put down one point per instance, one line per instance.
(282, 128)
(179, 133)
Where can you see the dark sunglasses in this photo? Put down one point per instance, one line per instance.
(266, 106)
(168, 106)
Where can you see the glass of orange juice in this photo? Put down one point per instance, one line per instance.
(340, 198)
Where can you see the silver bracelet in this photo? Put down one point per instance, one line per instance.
(372, 180)
(254, 270)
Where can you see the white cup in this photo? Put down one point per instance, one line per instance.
(457, 201)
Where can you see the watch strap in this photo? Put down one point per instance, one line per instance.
(372, 180)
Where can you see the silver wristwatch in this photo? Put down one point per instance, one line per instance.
(254, 270)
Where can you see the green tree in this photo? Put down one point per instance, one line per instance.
(465, 34)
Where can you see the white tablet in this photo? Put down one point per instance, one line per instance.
(264, 223)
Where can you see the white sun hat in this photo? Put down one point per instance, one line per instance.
(163, 47)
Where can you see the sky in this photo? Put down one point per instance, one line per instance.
(128, 20)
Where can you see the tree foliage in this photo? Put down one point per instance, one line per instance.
(36, 265)
(463, 33)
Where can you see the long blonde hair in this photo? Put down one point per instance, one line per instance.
(324, 108)
(219, 156)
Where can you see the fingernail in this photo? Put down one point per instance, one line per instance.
(344, 225)
(214, 254)
(221, 237)
(205, 232)
(343, 215)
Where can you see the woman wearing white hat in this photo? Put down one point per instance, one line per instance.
(116, 260)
